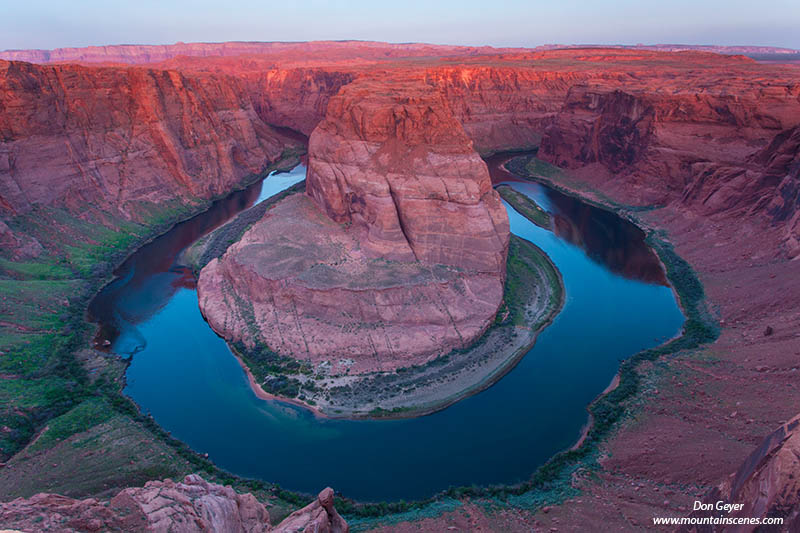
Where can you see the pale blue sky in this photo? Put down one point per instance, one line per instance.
(58, 23)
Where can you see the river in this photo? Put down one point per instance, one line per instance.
(617, 303)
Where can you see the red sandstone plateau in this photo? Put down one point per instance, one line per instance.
(709, 143)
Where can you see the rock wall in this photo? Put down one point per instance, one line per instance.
(502, 108)
(74, 136)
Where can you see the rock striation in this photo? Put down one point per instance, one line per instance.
(82, 138)
(725, 152)
(391, 160)
(192, 505)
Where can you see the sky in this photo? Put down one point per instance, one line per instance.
(67, 23)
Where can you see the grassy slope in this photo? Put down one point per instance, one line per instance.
(64, 424)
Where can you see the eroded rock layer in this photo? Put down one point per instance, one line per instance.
(108, 138)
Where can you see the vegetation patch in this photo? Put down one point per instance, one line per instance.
(526, 207)
(65, 426)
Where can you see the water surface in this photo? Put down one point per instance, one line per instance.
(617, 303)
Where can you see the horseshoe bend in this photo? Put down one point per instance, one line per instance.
(384, 231)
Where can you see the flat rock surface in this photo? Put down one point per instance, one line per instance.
(301, 283)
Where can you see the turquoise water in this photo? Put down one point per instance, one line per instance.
(185, 376)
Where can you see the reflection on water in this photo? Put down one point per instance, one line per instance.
(611, 241)
(619, 246)
(147, 281)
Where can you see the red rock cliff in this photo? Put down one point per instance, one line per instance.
(392, 160)
(74, 137)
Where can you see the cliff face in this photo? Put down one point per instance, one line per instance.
(502, 108)
(609, 127)
(697, 147)
(296, 98)
(329, 50)
(396, 255)
(74, 137)
(192, 505)
(781, 163)
(393, 161)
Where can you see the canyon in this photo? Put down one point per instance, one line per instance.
(701, 146)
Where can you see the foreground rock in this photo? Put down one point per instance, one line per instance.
(767, 484)
(192, 505)
(396, 254)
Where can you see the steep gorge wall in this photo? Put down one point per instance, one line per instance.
(502, 108)
(712, 154)
(295, 98)
(74, 136)
(391, 159)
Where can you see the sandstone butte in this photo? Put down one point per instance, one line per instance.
(711, 140)
(417, 272)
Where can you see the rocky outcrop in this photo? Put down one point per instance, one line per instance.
(318, 516)
(395, 256)
(304, 286)
(767, 484)
(193, 505)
